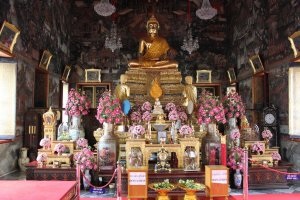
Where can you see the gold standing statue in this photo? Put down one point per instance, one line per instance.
(122, 90)
(190, 94)
(153, 50)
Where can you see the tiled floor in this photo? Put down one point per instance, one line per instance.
(294, 188)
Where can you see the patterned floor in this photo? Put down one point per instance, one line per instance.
(294, 188)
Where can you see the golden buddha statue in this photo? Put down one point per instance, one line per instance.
(122, 91)
(153, 50)
(190, 94)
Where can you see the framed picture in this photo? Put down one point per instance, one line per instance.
(66, 73)
(93, 75)
(231, 75)
(45, 60)
(93, 91)
(203, 76)
(295, 43)
(256, 64)
(8, 37)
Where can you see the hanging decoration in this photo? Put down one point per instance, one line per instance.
(104, 8)
(189, 44)
(112, 40)
(206, 11)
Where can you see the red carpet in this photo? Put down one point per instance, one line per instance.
(37, 190)
(294, 196)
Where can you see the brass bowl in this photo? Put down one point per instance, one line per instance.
(161, 191)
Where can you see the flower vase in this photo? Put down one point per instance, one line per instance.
(76, 130)
(173, 132)
(267, 143)
(232, 127)
(211, 146)
(23, 159)
(237, 178)
(107, 148)
(86, 179)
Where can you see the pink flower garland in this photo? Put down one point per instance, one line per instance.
(109, 109)
(77, 104)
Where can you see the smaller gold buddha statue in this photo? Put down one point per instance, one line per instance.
(153, 50)
(189, 94)
(122, 91)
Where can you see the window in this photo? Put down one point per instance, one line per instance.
(294, 103)
(8, 81)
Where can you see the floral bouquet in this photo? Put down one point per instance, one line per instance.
(77, 104)
(233, 105)
(235, 158)
(136, 116)
(109, 109)
(42, 157)
(170, 106)
(45, 142)
(182, 116)
(82, 143)
(267, 134)
(173, 115)
(137, 130)
(147, 116)
(146, 107)
(210, 109)
(60, 148)
(86, 159)
(257, 147)
(235, 134)
(186, 130)
(276, 156)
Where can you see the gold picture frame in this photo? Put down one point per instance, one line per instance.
(93, 75)
(231, 75)
(203, 76)
(295, 43)
(256, 64)
(45, 60)
(8, 37)
(66, 73)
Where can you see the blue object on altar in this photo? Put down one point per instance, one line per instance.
(126, 106)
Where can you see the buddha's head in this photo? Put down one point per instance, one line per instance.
(152, 26)
(123, 78)
(189, 80)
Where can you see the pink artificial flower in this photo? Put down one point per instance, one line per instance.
(147, 116)
(146, 106)
(267, 134)
(45, 142)
(170, 106)
(42, 157)
(276, 156)
(82, 143)
(77, 104)
(173, 115)
(257, 147)
(59, 148)
(234, 106)
(186, 130)
(137, 130)
(236, 158)
(235, 134)
(86, 159)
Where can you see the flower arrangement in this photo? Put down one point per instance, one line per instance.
(59, 148)
(82, 143)
(170, 106)
(146, 106)
(235, 158)
(42, 157)
(276, 156)
(173, 115)
(45, 142)
(137, 130)
(136, 116)
(182, 116)
(109, 109)
(186, 130)
(267, 134)
(233, 105)
(210, 109)
(257, 147)
(235, 134)
(77, 104)
(147, 116)
(165, 185)
(86, 159)
(191, 184)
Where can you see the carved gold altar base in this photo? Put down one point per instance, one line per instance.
(63, 160)
(148, 149)
(139, 81)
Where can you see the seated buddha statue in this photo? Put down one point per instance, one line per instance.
(153, 50)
